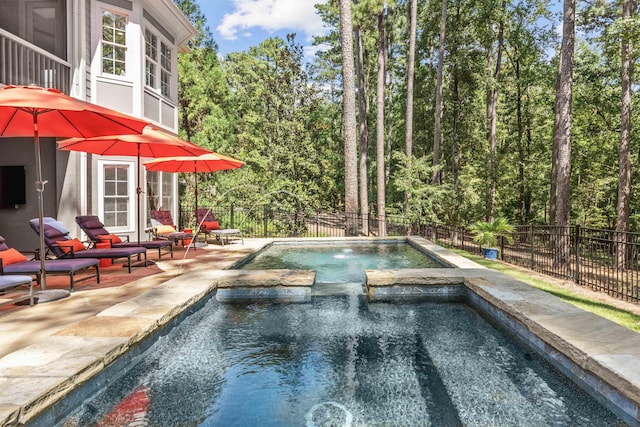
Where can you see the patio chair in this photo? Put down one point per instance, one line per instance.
(164, 228)
(95, 231)
(60, 244)
(13, 262)
(8, 283)
(209, 225)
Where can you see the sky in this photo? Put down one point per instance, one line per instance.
(238, 24)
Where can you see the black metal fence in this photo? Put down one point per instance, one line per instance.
(603, 260)
(262, 221)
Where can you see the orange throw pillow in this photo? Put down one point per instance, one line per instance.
(11, 256)
(109, 238)
(211, 225)
(66, 245)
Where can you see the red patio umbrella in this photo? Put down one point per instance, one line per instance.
(210, 162)
(31, 111)
(152, 143)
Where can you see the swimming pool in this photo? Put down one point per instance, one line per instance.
(340, 262)
(339, 360)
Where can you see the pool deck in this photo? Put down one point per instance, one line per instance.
(48, 349)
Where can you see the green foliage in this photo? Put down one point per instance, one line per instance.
(281, 113)
(486, 233)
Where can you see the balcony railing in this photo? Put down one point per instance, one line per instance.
(22, 63)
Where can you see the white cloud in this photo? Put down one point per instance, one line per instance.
(310, 51)
(272, 15)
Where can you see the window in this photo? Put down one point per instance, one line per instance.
(165, 73)
(114, 42)
(154, 65)
(159, 191)
(151, 63)
(116, 196)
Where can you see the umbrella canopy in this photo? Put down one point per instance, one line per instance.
(211, 162)
(58, 115)
(31, 111)
(151, 143)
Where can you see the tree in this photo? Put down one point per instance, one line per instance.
(624, 157)
(562, 132)
(380, 136)
(349, 118)
(411, 59)
(363, 110)
(437, 133)
(494, 66)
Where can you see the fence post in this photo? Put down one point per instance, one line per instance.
(265, 220)
(317, 223)
(577, 243)
(502, 248)
(533, 250)
(232, 216)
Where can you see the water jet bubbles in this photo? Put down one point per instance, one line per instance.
(328, 414)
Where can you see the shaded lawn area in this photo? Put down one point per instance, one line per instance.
(615, 314)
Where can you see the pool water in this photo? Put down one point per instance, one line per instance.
(339, 262)
(337, 361)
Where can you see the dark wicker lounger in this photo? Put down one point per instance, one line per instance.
(93, 228)
(54, 232)
(8, 283)
(51, 266)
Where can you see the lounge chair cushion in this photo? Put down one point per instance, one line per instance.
(165, 229)
(109, 238)
(211, 225)
(67, 245)
(11, 256)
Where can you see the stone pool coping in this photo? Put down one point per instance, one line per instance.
(37, 378)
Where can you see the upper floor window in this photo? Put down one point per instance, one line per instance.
(114, 43)
(151, 61)
(157, 63)
(165, 73)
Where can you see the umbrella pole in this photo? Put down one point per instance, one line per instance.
(138, 191)
(195, 183)
(40, 189)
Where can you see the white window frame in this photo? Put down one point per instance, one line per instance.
(102, 42)
(159, 64)
(131, 189)
(159, 190)
(168, 71)
(151, 60)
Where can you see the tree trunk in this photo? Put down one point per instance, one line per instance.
(411, 58)
(562, 136)
(382, 231)
(349, 119)
(492, 118)
(455, 155)
(437, 133)
(364, 136)
(624, 159)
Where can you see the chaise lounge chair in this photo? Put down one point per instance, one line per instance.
(13, 262)
(8, 283)
(58, 242)
(164, 227)
(95, 231)
(210, 225)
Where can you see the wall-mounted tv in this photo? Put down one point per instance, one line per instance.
(12, 186)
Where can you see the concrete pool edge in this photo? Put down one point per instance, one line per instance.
(43, 375)
(597, 354)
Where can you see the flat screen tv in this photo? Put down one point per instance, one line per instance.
(12, 186)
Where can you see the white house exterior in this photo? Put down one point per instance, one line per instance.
(121, 54)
